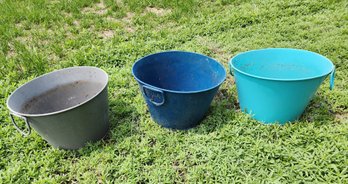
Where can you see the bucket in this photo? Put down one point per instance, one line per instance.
(67, 107)
(276, 84)
(178, 86)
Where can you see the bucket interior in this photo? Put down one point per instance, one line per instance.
(179, 71)
(284, 64)
(58, 91)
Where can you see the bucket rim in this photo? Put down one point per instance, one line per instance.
(282, 79)
(176, 91)
(63, 110)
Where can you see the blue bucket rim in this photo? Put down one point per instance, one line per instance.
(175, 91)
(281, 79)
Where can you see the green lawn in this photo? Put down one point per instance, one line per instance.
(38, 36)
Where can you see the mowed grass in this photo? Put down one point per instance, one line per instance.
(39, 36)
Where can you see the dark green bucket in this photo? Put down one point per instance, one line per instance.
(68, 107)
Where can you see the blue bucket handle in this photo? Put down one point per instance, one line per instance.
(154, 95)
(332, 79)
(230, 66)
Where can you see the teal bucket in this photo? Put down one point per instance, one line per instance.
(275, 85)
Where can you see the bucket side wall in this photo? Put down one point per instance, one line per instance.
(274, 101)
(74, 128)
(181, 110)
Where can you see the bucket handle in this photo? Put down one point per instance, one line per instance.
(332, 79)
(16, 126)
(150, 98)
(230, 66)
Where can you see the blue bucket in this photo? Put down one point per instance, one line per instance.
(276, 84)
(178, 86)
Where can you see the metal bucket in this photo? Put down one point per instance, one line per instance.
(67, 107)
(276, 84)
(178, 86)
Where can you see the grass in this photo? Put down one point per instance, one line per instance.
(39, 36)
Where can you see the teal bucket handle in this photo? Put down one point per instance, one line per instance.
(154, 94)
(332, 79)
(230, 66)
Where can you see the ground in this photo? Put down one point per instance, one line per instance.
(40, 36)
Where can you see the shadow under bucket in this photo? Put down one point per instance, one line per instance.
(276, 84)
(178, 86)
(67, 107)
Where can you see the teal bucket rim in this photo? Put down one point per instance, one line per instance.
(175, 91)
(281, 79)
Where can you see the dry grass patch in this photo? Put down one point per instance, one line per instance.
(130, 29)
(29, 40)
(112, 19)
(11, 52)
(54, 1)
(99, 9)
(19, 25)
(126, 22)
(68, 34)
(76, 23)
(43, 42)
(128, 17)
(215, 48)
(119, 3)
(343, 118)
(53, 57)
(169, 26)
(101, 12)
(158, 11)
(107, 34)
(66, 14)
(24, 39)
(87, 10)
(101, 5)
